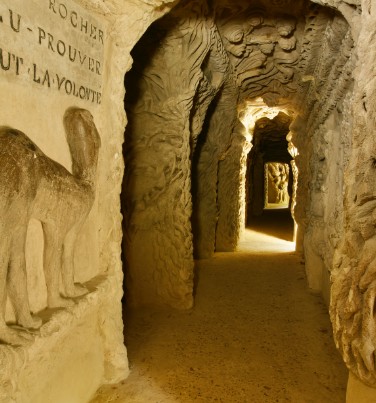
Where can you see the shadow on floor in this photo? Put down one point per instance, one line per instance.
(275, 222)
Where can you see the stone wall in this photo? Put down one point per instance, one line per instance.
(335, 207)
(80, 347)
(163, 126)
(232, 191)
(215, 142)
(353, 294)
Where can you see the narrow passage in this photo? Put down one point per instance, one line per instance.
(256, 333)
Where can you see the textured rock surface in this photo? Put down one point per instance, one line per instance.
(232, 191)
(353, 292)
(277, 175)
(210, 151)
(157, 152)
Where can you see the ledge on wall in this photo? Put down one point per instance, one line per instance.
(66, 361)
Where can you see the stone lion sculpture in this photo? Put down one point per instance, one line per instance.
(34, 186)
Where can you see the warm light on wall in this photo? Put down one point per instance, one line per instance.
(251, 111)
(293, 151)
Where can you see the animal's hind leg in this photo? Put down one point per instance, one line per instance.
(53, 249)
(71, 289)
(7, 334)
(17, 281)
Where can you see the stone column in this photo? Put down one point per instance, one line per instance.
(217, 140)
(157, 201)
(231, 191)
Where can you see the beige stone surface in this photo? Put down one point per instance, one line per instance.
(64, 362)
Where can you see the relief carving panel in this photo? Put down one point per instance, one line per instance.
(34, 186)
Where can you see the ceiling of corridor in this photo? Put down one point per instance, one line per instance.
(285, 52)
(270, 137)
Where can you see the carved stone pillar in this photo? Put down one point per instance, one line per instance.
(231, 191)
(157, 186)
(217, 140)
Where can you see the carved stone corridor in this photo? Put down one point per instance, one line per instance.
(139, 141)
(256, 334)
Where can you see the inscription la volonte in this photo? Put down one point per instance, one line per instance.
(13, 63)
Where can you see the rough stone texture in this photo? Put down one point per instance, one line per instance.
(42, 370)
(338, 200)
(303, 64)
(277, 175)
(232, 191)
(157, 185)
(213, 149)
(353, 292)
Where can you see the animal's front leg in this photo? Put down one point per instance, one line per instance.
(72, 289)
(17, 281)
(53, 248)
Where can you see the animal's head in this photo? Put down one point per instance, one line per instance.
(83, 138)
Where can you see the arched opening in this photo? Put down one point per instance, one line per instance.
(185, 146)
(241, 74)
(270, 177)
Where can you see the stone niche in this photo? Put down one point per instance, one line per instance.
(56, 55)
(276, 184)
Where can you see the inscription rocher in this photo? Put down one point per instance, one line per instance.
(57, 47)
(75, 20)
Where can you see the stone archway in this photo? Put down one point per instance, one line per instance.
(303, 62)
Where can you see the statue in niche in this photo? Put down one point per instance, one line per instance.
(279, 176)
(34, 186)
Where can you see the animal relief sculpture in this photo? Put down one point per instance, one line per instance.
(34, 186)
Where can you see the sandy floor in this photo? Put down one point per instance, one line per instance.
(255, 335)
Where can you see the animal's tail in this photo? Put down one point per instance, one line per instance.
(83, 140)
